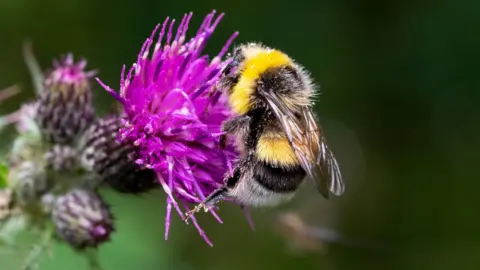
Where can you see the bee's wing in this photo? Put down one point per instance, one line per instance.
(325, 163)
(309, 146)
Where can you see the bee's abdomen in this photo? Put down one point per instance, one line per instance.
(274, 149)
(278, 178)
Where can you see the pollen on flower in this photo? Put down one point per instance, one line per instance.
(171, 116)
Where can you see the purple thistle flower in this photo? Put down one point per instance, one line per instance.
(173, 114)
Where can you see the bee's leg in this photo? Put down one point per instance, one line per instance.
(227, 82)
(234, 124)
(223, 141)
(210, 201)
(214, 198)
(216, 195)
(231, 126)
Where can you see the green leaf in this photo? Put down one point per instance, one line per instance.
(3, 176)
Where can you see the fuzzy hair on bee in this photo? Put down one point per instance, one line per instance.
(275, 129)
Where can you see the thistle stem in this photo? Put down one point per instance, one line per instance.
(9, 92)
(31, 262)
(33, 67)
(93, 261)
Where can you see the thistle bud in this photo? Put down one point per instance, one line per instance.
(82, 218)
(61, 158)
(29, 182)
(65, 105)
(113, 161)
(5, 203)
(48, 201)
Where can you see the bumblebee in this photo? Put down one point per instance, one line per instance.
(275, 129)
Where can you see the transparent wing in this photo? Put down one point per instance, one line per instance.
(309, 146)
(325, 163)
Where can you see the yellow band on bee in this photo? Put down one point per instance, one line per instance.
(255, 64)
(275, 151)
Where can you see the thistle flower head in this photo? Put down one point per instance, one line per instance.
(173, 113)
(111, 161)
(61, 158)
(67, 75)
(28, 180)
(65, 105)
(82, 218)
(5, 202)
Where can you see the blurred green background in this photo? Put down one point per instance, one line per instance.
(400, 104)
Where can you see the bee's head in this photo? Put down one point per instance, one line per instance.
(232, 72)
(237, 57)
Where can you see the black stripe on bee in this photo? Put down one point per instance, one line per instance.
(278, 179)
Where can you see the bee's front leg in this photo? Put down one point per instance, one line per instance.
(217, 195)
(237, 124)
(210, 201)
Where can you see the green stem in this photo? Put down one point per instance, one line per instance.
(93, 260)
(33, 67)
(33, 257)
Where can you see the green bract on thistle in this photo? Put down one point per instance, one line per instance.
(173, 113)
